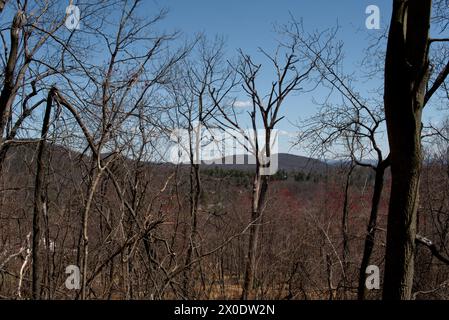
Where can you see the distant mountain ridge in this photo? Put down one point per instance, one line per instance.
(287, 162)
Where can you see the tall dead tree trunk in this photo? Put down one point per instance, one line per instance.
(345, 231)
(9, 89)
(406, 78)
(36, 272)
(260, 187)
(195, 141)
(372, 225)
(195, 192)
(291, 71)
(96, 177)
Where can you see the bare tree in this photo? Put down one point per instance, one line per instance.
(39, 203)
(292, 68)
(194, 111)
(24, 55)
(104, 99)
(351, 130)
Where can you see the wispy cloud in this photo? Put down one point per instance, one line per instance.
(243, 104)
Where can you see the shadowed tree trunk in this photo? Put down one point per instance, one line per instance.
(195, 192)
(36, 273)
(344, 229)
(372, 225)
(406, 78)
(9, 89)
(2, 5)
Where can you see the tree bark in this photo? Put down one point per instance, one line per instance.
(36, 272)
(372, 225)
(9, 89)
(195, 192)
(260, 188)
(97, 174)
(2, 5)
(344, 229)
(406, 78)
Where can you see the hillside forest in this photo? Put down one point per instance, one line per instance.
(104, 194)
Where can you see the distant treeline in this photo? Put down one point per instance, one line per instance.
(244, 177)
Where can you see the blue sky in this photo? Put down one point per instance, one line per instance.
(249, 24)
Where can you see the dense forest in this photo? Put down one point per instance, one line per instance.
(114, 181)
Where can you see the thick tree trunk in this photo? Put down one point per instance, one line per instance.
(9, 90)
(36, 272)
(260, 187)
(195, 193)
(406, 77)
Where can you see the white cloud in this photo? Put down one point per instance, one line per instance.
(243, 104)
(291, 134)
